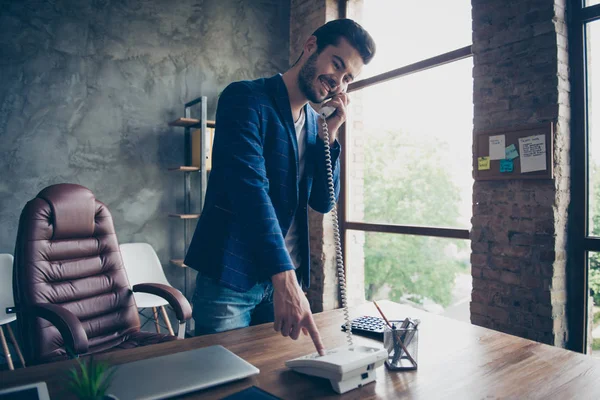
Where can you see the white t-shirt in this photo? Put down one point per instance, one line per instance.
(292, 241)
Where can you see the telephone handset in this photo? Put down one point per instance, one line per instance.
(348, 367)
(326, 111)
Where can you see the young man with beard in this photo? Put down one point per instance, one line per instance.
(268, 164)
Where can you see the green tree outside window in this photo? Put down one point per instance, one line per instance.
(415, 188)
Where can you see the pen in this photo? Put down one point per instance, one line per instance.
(381, 312)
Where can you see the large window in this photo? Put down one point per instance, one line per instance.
(429, 272)
(584, 276)
(408, 171)
(592, 34)
(416, 139)
(593, 117)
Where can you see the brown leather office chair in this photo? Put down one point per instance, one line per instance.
(70, 286)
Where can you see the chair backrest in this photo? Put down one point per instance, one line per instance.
(142, 264)
(67, 253)
(6, 290)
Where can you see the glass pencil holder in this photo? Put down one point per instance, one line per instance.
(402, 344)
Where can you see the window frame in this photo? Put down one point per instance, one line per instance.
(581, 242)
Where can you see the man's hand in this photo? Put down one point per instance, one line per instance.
(292, 311)
(339, 102)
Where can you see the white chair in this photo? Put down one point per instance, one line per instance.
(7, 300)
(143, 266)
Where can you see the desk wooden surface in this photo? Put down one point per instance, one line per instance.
(456, 361)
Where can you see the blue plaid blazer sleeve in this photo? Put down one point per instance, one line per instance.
(319, 199)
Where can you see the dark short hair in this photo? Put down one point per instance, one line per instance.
(356, 35)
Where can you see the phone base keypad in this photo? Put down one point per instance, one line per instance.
(367, 326)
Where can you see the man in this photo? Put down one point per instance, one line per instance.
(268, 163)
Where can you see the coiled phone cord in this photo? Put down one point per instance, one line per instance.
(336, 233)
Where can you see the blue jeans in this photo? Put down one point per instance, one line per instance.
(217, 308)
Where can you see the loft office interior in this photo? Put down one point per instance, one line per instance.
(89, 90)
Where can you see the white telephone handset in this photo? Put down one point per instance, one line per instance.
(326, 111)
(348, 367)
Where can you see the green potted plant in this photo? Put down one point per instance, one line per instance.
(90, 379)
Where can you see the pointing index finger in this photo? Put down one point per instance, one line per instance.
(315, 336)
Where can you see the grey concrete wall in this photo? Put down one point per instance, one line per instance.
(87, 88)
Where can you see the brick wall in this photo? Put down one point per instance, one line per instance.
(519, 227)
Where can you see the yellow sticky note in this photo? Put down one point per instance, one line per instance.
(483, 163)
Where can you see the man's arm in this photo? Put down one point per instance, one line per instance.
(319, 195)
(319, 199)
(292, 311)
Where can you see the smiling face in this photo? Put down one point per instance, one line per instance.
(325, 74)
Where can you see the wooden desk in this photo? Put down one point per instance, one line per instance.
(456, 361)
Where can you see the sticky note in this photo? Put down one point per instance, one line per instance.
(483, 163)
(511, 152)
(497, 147)
(506, 166)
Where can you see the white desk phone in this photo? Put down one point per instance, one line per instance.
(347, 367)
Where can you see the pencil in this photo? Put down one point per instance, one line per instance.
(381, 312)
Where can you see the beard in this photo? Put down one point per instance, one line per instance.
(306, 78)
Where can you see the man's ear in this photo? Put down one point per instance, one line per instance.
(310, 45)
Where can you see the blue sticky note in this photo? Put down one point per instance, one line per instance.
(511, 152)
(506, 166)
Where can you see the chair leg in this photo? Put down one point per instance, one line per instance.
(166, 318)
(156, 319)
(16, 345)
(5, 349)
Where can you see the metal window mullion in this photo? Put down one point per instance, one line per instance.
(591, 244)
(577, 274)
(448, 233)
(588, 14)
(419, 66)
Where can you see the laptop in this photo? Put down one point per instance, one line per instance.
(178, 373)
(32, 391)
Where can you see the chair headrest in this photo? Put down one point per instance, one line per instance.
(74, 209)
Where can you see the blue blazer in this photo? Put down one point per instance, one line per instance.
(254, 192)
